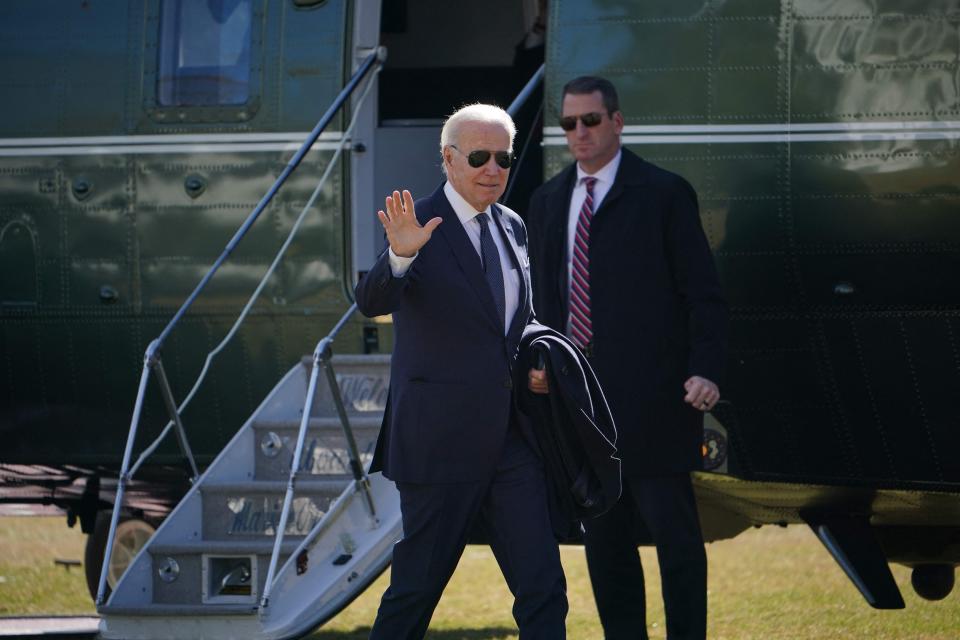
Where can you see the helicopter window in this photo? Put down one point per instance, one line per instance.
(204, 54)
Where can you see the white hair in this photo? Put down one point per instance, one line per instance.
(479, 112)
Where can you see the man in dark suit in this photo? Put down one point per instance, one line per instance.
(450, 440)
(620, 262)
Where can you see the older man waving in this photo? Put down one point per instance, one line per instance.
(456, 280)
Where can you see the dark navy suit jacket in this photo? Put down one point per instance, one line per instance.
(450, 396)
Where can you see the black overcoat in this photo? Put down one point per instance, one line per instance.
(657, 311)
(573, 428)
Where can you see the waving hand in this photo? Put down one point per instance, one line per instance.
(404, 232)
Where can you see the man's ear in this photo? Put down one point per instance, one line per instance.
(617, 118)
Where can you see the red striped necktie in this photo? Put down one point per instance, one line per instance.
(581, 330)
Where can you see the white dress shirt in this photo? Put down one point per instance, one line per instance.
(468, 218)
(605, 177)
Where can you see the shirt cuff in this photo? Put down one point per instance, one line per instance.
(399, 265)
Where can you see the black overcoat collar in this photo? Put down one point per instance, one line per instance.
(632, 172)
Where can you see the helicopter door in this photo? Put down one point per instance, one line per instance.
(440, 56)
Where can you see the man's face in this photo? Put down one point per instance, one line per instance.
(480, 186)
(593, 147)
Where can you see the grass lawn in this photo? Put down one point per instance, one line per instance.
(766, 583)
(30, 583)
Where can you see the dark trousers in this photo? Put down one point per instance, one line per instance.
(436, 521)
(665, 506)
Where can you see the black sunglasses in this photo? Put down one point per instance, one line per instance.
(480, 157)
(592, 119)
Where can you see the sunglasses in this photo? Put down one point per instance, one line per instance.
(480, 157)
(592, 119)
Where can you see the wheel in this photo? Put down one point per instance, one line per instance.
(932, 581)
(132, 535)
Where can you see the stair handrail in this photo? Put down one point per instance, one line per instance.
(527, 90)
(514, 107)
(152, 358)
(322, 358)
(256, 294)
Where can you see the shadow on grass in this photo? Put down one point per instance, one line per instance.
(361, 633)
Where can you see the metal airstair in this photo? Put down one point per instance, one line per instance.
(205, 572)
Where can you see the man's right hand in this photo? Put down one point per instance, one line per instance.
(404, 232)
(537, 381)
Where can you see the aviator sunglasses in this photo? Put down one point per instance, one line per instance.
(592, 119)
(480, 157)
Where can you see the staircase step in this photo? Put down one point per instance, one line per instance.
(251, 509)
(325, 449)
(322, 424)
(372, 360)
(304, 484)
(207, 562)
(181, 610)
(225, 547)
(363, 381)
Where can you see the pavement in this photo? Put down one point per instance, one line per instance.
(49, 627)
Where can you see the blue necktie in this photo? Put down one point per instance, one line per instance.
(491, 265)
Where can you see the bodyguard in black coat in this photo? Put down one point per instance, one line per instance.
(655, 323)
(657, 312)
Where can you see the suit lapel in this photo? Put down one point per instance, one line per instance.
(631, 172)
(466, 256)
(616, 190)
(523, 309)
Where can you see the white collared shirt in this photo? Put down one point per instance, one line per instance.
(605, 177)
(467, 216)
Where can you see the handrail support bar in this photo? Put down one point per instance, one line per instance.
(148, 361)
(177, 421)
(356, 468)
(291, 481)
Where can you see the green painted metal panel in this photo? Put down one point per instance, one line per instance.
(60, 52)
(73, 353)
(834, 247)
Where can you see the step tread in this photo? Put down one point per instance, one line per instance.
(350, 359)
(356, 422)
(303, 485)
(180, 610)
(224, 547)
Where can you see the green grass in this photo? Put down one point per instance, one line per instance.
(30, 583)
(766, 583)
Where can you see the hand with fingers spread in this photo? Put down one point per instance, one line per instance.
(404, 233)
(702, 394)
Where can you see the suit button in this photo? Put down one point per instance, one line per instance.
(507, 383)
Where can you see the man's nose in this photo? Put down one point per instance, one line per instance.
(581, 128)
(491, 167)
